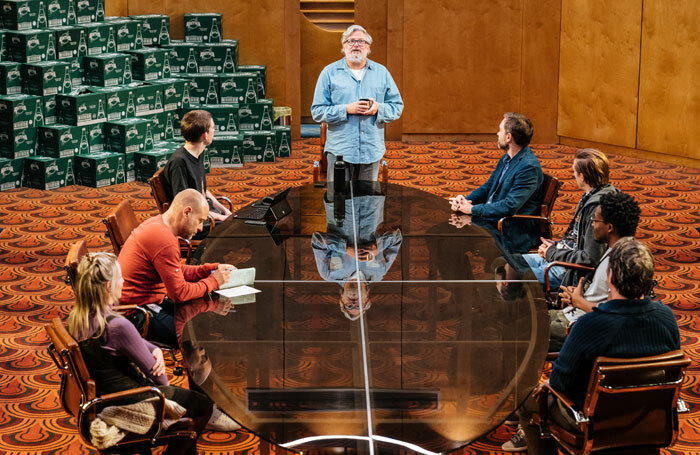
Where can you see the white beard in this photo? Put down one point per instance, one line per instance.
(356, 58)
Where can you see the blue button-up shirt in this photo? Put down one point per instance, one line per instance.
(359, 138)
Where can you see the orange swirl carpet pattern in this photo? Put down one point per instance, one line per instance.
(38, 227)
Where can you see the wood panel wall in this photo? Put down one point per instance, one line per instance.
(318, 48)
(669, 93)
(267, 32)
(599, 70)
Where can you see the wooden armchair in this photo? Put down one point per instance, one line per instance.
(630, 404)
(123, 220)
(550, 192)
(321, 165)
(78, 397)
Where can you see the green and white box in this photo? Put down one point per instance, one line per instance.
(81, 108)
(21, 14)
(3, 47)
(101, 37)
(129, 135)
(107, 70)
(159, 125)
(30, 46)
(56, 13)
(203, 28)
(204, 88)
(259, 146)
(67, 40)
(283, 140)
(49, 103)
(173, 91)
(127, 31)
(10, 78)
(255, 116)
(149, 161)
(225, 116)
(226, 150)
(59, 141)
(219, 57)
(46, 78)
(156, 29)
(96, 138)
(116, 100)
(100, 169)
(261, 71)
(46, 173)
(238, 87)
(21, 111)
(184, 57)
(17, 142)
(130, 167)
(76, 72)
(11, 173)
(147, 63)
(145, 98)
(86, 11)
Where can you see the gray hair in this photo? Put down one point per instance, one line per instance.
(352, 29)
(631, 268)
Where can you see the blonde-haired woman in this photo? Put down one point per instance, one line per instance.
(114, 352)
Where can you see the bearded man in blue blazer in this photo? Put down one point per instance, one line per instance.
(515, 187)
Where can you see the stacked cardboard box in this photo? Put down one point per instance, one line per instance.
(75, 85)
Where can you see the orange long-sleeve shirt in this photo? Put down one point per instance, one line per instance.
(150, 262)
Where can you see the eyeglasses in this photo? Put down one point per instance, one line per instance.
(356, 42)
(593, 220)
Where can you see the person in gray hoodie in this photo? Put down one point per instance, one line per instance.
(592, 172)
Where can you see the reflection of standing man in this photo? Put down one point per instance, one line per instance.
(356, 97)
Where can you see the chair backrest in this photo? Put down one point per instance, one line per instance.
(550, 192)
(76, 253)
(632, 402)
(158, 191)
(76, 386)
(119, 224)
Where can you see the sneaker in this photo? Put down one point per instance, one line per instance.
(517, 442)
(512, 419)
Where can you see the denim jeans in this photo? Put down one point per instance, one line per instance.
(369, 172)
(538, 264)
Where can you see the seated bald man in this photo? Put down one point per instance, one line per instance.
(154, 277)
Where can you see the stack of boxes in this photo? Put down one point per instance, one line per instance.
(94, 100)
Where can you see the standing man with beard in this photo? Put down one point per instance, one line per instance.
(356, 97)
(515, 185)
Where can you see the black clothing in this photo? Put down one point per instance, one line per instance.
(184, 171)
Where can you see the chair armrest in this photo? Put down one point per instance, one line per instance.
(159, 405)
(542, 219)
(568, 265)
(146, 315)
(226, 200)
(186, 245)
(580, 418)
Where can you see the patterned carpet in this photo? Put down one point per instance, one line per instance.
(39, 225)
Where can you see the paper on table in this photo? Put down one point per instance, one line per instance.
(240, 277)
(237, 291)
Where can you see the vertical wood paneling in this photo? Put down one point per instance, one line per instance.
(599, 70)
(669, 93)
(318, 48)
(462, 64)
(540, 67)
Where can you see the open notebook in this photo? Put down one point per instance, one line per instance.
(239, 288)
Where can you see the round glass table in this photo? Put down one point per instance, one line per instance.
(383, 323)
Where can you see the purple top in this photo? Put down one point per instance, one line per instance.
(120, 337)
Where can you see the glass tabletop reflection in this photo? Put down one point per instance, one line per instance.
(384, 322)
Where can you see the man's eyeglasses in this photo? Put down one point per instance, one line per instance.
(356, 42)
(593, 220)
